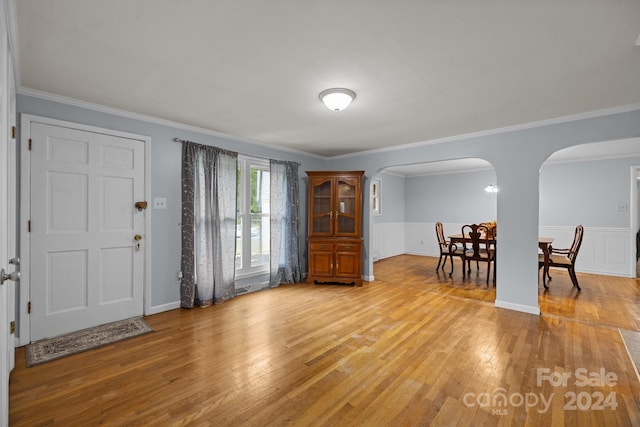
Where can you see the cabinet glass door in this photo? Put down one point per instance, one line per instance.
(346, 207)
(322, 213)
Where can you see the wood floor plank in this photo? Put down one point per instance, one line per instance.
(414, 347)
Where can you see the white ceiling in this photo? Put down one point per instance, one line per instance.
(253, 69)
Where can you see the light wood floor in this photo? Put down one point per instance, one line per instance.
(411, 348)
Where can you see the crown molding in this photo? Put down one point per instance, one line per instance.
(497, 131)
(590, 159)
(190, 128)
(48, 96)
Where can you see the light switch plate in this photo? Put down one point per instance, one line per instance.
(159, 203)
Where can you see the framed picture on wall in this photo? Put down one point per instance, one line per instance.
(375, 197)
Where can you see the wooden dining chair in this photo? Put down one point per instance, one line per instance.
(478, 245)
(443, 244)
(564, 258)
(447, 250)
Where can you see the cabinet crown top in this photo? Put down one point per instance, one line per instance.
(325, 173)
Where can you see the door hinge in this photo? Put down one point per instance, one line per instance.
(29, 226)
(12, 327)
(30, 144)
(13, 132)
(29, 307)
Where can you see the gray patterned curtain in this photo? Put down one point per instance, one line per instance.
(285, 213)
(209, 177)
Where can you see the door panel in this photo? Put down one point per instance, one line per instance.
(117, 275)
(67, 279)
(68, 201)
(321, 263)
(347, 264)
(116, 202)
(86, 267)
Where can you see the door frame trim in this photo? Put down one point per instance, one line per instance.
(24, 323)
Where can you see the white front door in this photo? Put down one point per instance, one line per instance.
(87, 238)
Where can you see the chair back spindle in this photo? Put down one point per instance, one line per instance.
(478, 244)
(577, 242)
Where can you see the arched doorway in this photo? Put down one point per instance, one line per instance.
(594, 185)
(411, 198)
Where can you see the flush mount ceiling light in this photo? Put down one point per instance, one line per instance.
(491, 188)
(337, 99)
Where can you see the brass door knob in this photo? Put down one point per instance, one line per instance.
(137, 237)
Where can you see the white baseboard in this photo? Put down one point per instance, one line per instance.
(162, 308)
(518, 307)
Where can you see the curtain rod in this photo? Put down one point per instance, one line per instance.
(176, 139)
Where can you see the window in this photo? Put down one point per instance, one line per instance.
(252, 218)
(375, 197)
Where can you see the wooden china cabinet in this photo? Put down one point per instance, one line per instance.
(335, 227)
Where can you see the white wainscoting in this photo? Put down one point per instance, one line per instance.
(420, 237)
(604, 250)
(388, 240)
(608, 251)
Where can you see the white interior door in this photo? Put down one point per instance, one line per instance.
(7, 221)
(87, 239)
(5, 343)
(12, 247)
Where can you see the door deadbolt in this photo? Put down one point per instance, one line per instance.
(141, 206)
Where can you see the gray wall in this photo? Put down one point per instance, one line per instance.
(516, 155)
(165, 180)
(587, 193)
(571, 193)
(454, 197)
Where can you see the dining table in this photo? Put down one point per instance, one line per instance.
(543, 243)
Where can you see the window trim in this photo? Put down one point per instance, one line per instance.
(243, 210)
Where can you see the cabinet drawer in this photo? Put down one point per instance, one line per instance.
(347, 247)
(321, 246)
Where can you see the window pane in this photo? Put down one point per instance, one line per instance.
(259, 190)
(239, 186)
(238, 242)
(259, 240)
(259, 216)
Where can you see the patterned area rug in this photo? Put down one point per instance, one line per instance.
(65, 345)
